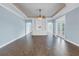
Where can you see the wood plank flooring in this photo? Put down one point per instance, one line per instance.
(40, 46)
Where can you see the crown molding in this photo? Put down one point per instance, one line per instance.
(12, 8)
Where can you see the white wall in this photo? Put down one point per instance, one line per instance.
(11, 26)
(72, 26)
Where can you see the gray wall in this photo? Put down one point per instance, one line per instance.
(72, 26)
(11, 26)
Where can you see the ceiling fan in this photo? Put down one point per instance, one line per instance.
(40, 17)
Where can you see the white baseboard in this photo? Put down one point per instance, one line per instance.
(27, 34)
(72, 42)
(11, 41)
(68, 40)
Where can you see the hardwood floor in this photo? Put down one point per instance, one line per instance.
(40, 46)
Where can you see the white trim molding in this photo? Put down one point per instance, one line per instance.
(69, 7)
(12, 8)
(76, 44)
(11, 41)
(7, 43)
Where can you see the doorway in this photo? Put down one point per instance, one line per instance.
(28, 27)
(50, 27)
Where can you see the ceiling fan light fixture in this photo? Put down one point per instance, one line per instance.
(40, 17)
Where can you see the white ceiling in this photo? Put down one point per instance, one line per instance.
(48, 9)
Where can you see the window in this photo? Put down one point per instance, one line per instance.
(60, 22)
